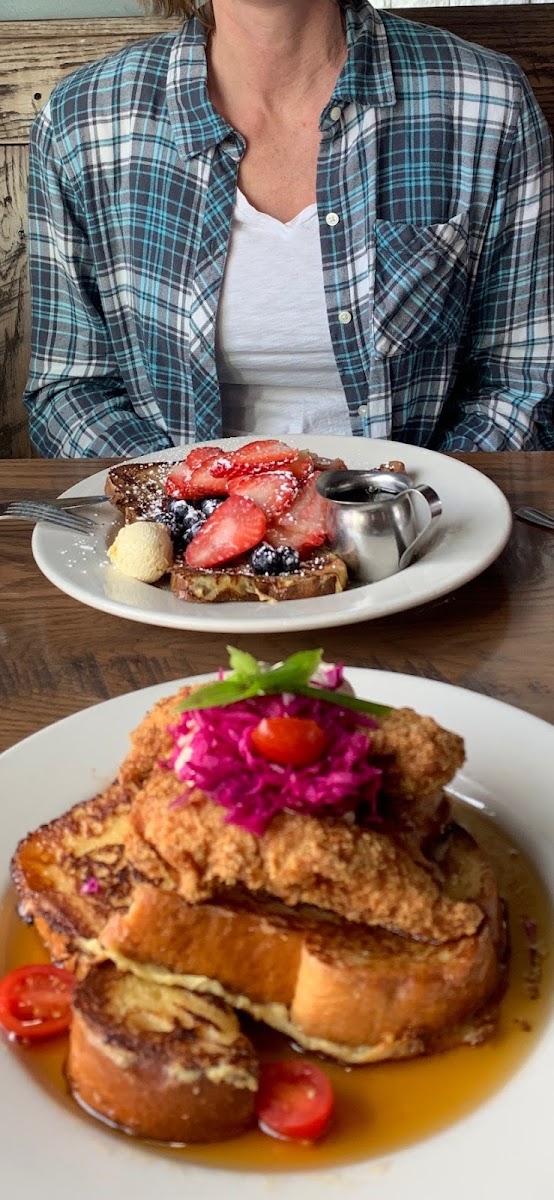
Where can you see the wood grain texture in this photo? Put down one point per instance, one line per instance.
(14, 301)
(495, 635)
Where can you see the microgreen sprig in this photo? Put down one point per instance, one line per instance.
(249, 678)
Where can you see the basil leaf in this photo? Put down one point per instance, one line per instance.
(243, 665)
(218, 694)
(294, 673)
(343, 700)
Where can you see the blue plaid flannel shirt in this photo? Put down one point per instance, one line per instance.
(438, 274)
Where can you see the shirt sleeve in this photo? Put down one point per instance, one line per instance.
(76, 398)
(504, 400)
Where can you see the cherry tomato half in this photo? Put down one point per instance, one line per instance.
(289, 741)
(35, 1001)
(295, 1100)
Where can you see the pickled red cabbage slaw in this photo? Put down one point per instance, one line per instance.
(213, 752)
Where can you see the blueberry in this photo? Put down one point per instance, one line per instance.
(192, 520)
(186, 533)
(182, 511)
(180, 519)
(288, 558)
(264, 560)
(269, 560)
(167, 518)
(209, 505)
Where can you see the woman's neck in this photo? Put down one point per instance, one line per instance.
(274, 50)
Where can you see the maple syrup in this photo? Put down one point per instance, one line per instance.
(387, 1106)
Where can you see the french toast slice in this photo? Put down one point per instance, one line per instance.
(159, 1062)
(138, 489)
(321, 574)
(340, 988)
(72, 874)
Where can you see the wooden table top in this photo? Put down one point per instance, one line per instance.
(494, 635)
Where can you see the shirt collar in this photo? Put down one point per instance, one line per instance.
(366, 80)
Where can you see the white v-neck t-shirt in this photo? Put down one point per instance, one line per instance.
(275, 360)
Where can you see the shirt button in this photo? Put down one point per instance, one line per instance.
(332, 219)
(335, 113)
(345, 317)
(362, 411)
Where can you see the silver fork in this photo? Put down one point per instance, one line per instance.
(42, 510)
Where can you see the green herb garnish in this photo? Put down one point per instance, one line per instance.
(249, 678)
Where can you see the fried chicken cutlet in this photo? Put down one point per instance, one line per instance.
(360, 874)
(363, 875)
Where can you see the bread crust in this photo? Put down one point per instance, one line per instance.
(323, 574)
(158, 1062)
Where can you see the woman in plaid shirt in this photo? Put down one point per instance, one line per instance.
(292, 215)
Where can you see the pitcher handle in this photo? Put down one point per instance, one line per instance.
(434, 504)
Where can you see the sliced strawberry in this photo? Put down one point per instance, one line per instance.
(203, 483)
(274, 491)
(235, 527)
(200, 455)
(186, 483)
(303, 465)
(252, 459)
(304, 525)
(177, 480)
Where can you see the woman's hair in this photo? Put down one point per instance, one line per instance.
(179, 8)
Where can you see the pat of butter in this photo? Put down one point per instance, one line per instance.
(143, 550)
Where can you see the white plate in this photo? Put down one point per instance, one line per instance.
(473, 529)
(503, 1149)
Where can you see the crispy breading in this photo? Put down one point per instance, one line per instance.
(418, 757)
(360, 874)
(151, 740)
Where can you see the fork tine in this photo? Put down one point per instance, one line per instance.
(79, 525)
(38, 511)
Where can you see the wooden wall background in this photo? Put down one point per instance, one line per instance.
(34, 55)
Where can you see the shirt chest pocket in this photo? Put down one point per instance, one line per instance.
(421, 281)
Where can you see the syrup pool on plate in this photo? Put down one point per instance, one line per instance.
(380, 1108)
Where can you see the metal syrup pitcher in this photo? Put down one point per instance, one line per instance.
(378, 520)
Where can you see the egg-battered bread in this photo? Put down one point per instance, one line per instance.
(159, 1062)
(353, 993)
